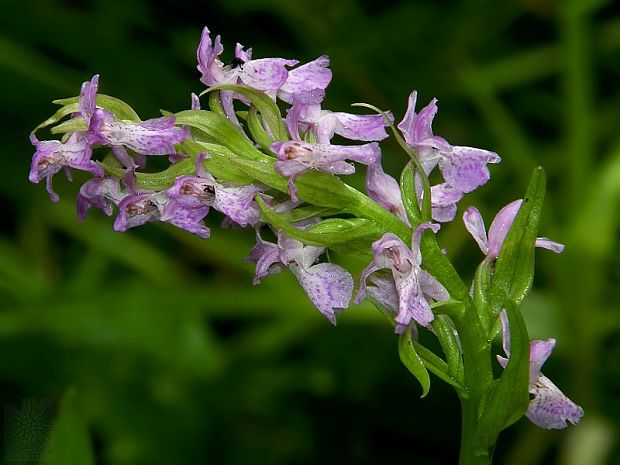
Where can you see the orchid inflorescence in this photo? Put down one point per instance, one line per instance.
(265, 171)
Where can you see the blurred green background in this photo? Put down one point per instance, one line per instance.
(153, 347)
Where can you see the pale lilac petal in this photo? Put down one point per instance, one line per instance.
(431, 287)
(417, 237)
(500, 226)
(383, 292)
(443, 201)
(266, 255)
(237, 202)
(465, 168)
(361, 292)
(265, 73)
(550, 408)
(306, 78)
(195, 102)
(88, 98)
(383, 189)
(548, 244)
(328, 286)
(207, 55)
(539, 353)
(475, 225)
(360, 127)
(102, 193)
(505, 332)
(423, 127)
(407, 124)
(241, 54)
(189, 219)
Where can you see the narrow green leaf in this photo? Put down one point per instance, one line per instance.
(444, 330)
(408, 194)
(62, 112)
(263, 103)
(304, 213)
(215, 104)
(509, 397)
(413, 362)
(482, 281)
(69, 443)
(514, 269)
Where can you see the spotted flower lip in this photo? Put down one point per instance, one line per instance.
(463, 168)
(328, 286)
(491, 245)
(414, 286)
(309, 77)
(52, 155)
(549, 408)
(297, 157)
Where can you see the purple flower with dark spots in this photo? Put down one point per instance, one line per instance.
(52, 155)
(138, 209)
(549, 407)
(328, 286)
(500, 226)
(102, 193)
(414, 286)
(443, 202)
(297, 157)
(463, 168)
(203, 190)
(156, 136)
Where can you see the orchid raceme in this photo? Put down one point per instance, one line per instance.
(280, 175)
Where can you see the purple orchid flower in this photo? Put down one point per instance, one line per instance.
(328, 286)
(550, 408)
(297, 157)
(414, 286)
(52, 155)
(310, 77)
(156, 136)
(102, 193)
(138, 209)
(202, 190)
(500, 226)
(463, 168)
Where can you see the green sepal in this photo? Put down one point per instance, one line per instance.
(413, 362)
(514, 268)
(322, 189)
(444, 330)
(117, 107)
(263, 103)
(257, 131)
(408, 194)
(219, 163)
(327, 233)
(214, 128)
(509, 397)
(71, 125)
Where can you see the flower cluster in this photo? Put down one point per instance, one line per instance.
(243, 159)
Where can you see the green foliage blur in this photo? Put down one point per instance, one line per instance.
(153, 347)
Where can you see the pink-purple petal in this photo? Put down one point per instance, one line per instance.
(548, 244)
(550, 408)
(465, 168)
(383, 189)
(475, 225)
(306, 78)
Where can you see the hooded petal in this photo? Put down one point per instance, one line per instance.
(266, 255)
(207, 55)
(187, 218)
(475, 225)
(500, 226)
(136, 210)
(383, 189)
(102, 193)
(550, 408)
(88, 98)
(539, 353)
(465, 168)
(328, 286)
